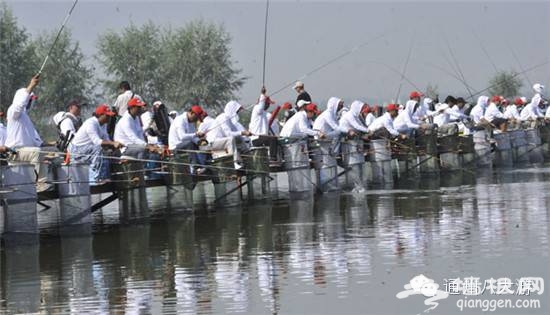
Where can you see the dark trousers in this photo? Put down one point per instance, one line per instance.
(271, 142)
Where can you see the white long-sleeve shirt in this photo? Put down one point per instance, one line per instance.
(91, 133)
(20, 131)
(493, 112)
(384, 121)
(369, 119)
(181, 133)
(531, 110)
(297, 126)
(352, 118)
(121, 102)
(258, 118)
(478, 111)
(226, 124)
(405, 118)
(447, 115)
(128, 131)
(67, 122)
(206, 124)
(2, 134)
(511, 112)
(327, 122)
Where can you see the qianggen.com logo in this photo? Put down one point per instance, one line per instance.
(469, 290)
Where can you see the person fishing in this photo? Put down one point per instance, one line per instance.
(477, 114)
(446, 117)
(406, 122)
(327, 122)
(90, 141)
(183, 134)
(299, 125)
(382, 127)
(531, 113)
(495, 116)
(21, 135)
(261, 125)
(228, 135)
(67, 124)
(128, 131)
(356, 116)
(125, 94)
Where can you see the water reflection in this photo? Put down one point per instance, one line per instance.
(340, 252)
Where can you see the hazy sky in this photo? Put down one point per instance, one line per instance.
(303, 35)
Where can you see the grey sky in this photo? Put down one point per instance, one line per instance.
(306, 34)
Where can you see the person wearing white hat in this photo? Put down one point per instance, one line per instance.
(302, 94)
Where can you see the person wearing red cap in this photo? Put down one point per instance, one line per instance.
(129, 132)
(227, 134)
(512, 114)
(382, 127)
(183, 134)
(355, 117)
(121, 103)
(495, 116)
(406, 121)
(299, 126)
(89, 142)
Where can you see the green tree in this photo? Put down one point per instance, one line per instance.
(135, 56)
(505, 83)
(179, 66)
(17, 62)
(198, 66)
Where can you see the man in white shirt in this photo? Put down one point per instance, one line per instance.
(478, 113)
(20, 132)
(406, 121)
(121, 103)
(227, 134)
(382, 127)
(3, 131)
(495, 116)
(354, 118)
(327, 122)
(531, 113)
(445, 117)
(129, 132)
(183, 134)
(67, 124)
(89, 141)
(299, 125)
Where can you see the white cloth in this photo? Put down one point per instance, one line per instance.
(369, 119)
(3, 133)
(530, 111)
(91, 133)
(405, 119)
(181, 133)
(206, 124)
(66, 122)
(258, 118)
(384, 121)
(458, 111)
(20, 131)
(298, 126)
(352, 119)
(226, 124)
(121, 103)
(327, 122)
(493, 112)
(511, 112)
(423, 111)
(478, 111)
(128, 131)
(444, 114)
(147, 122)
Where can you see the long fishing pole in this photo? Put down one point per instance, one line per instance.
(485, 51)
(265, 40)
(519, 64)
(405, 69)
(57, 37)
(457, 65)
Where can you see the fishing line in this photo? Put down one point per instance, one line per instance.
(265, 40)
(519, 64)
(57, 37)
(405, 69)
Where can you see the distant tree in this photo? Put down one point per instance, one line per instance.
(505, 83)
(134, 55)
(432, 91)
(197, 66)
(65, 76)
(187, 65)
(17, 62)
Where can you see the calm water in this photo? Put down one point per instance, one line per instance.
(335, 254)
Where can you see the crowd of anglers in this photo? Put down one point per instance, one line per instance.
(128, 130)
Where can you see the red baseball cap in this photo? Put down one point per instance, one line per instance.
(518, 101)
(496, 98)
(312, 108)
(103, 109)
(415, 94)
(504, 101)
(392, 107)
(135, 102)
(197, 110)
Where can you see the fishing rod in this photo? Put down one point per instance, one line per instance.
(457, 65)
(405, 68)
(519, 64)
(485, 50)
(57, 38)
(265, 40)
